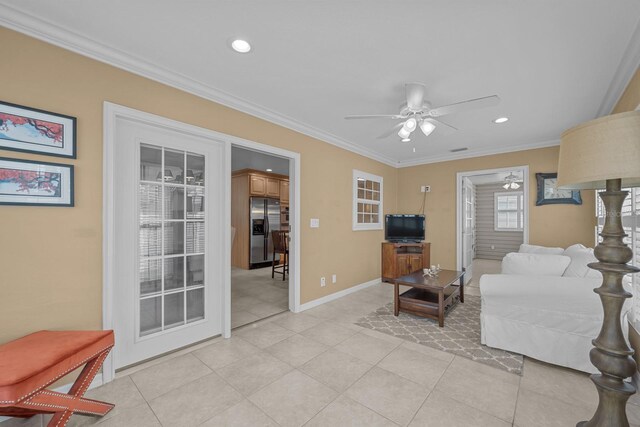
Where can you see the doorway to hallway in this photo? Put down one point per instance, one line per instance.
(492, 215)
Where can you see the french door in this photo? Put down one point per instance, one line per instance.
(468, 227)
(168, 240)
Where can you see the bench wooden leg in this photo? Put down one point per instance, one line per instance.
(64, 405)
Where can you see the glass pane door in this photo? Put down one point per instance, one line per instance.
(172, 225)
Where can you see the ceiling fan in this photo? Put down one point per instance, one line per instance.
(511, 182)
(417, 112)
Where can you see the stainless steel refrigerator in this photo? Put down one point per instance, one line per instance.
(265, 218)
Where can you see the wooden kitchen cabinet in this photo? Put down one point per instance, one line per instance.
(284, 191)
(247, 183)
(257, 185)
(273, 188)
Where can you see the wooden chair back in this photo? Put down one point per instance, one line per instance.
(280, 241)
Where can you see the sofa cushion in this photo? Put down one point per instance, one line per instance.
(580, 256)
(533, 249)
(527, 264)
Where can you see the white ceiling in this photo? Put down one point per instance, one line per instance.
(249, 159)
(553, 63)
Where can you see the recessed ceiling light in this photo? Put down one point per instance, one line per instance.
(269, 170)
(501, 120)
(241, 46)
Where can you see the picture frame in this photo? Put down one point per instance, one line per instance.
(548, 193)
(31, 130)
(34, 183)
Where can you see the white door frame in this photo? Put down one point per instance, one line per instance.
(459, 202)
(113, 111)
(294, 209)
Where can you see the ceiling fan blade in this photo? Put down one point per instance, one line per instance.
(415, 95)
(390, 131)
(472, 104)
(374, 116)
(442, 127)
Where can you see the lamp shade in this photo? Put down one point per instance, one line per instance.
(601, 149)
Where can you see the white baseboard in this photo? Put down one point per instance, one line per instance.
(336, 295)
(97, 382)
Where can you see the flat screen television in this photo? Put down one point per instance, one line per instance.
(404, 228)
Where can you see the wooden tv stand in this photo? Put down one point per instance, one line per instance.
(401, 259)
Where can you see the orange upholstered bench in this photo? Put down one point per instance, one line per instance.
(30, 364)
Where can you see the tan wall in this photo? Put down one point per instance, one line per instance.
(549, 225)
(51, 258)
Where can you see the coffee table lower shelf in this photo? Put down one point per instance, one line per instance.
(426, 304)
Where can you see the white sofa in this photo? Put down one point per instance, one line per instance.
(543, 305)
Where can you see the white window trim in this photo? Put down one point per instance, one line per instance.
(519, 210)
(369, 177)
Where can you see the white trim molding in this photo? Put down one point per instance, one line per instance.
(359, 176)
(30, 25)
(477, 153)
(110, 114)
(339, 294)
(15, 19)
(624, 73)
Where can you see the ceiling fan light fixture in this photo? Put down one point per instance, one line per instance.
(410, 124)
(511, 182)
(403, 133)
(405, 140)
(427, 127)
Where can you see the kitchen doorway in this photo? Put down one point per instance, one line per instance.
(176, 291)
(261, 231)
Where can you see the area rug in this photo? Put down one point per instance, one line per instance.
(460, 334)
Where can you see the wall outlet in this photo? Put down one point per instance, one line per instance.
(493, 247)
(425, 189)
(334, 279)
(314, 223)
(323, 282)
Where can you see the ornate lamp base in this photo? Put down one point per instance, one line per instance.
(611, 353)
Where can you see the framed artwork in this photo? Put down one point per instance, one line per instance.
(37, 131)
(25, 182)
(548, 193)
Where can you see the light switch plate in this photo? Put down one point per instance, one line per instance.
(314, 223)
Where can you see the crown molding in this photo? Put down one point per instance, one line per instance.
(626, 69)
(32, 26)
(477, 153)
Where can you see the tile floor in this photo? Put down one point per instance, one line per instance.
(255, 295)
(317, 368)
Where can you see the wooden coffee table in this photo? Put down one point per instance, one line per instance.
(430, 297)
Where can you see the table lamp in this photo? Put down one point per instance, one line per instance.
(605, 154)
